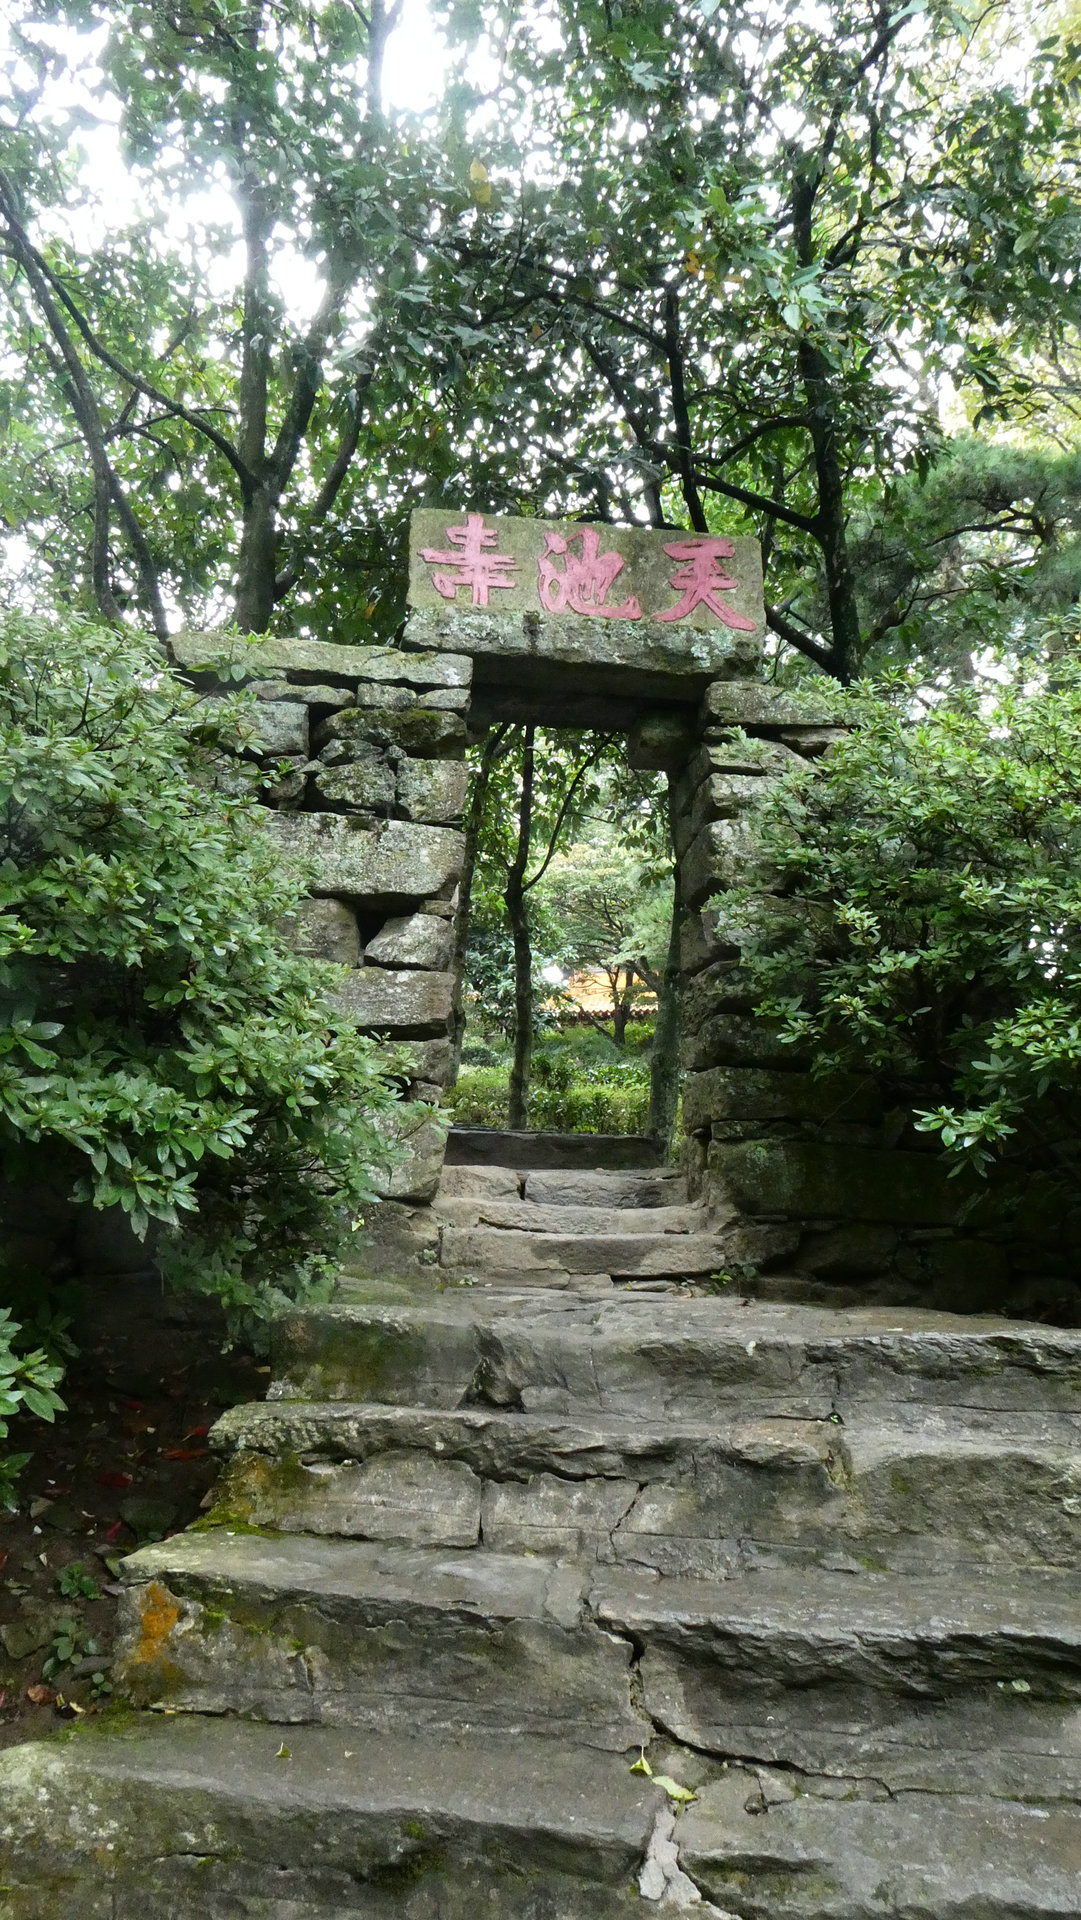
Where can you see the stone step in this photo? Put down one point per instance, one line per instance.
(705, 1498)
(529, 1216)
(614, 1252)
(873, 1674)
(596, 1187)
(492, 1147)
(789, 1849)
(373, 1636)
(672, 1357)
(192, 1818)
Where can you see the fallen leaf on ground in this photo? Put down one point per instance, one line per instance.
(113, 1479)
(40, 1696)
(184, 1453)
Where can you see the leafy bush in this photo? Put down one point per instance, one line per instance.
(160, 1045)
(938, 860)
(568, 1095)
(27, 1380)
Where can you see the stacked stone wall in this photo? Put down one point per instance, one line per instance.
(856, 1198)
(364, 755)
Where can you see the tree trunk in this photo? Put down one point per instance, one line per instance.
(474, 820)
(257, 563)
(621, 1008)
(664, 1060)
(514, 901)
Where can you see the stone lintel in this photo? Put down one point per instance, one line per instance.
(567, 655)
(314, 661)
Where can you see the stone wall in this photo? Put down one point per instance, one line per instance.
(368, 809)
(860, 1203)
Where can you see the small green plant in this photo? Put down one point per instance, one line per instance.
(74, 1583)
(68, 1645)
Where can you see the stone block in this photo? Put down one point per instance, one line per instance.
(721, 987)
(364, 785)
(432, 1060)
(376, 694)
(414, 940)
(432, 790)
(311, 696)
(314, 661)
(422, 731)
(732, 1040)
(723, 854)
(755, 703)
(813, 743)
(406, 1002)
(661, 740)
(803, 1179)
(448, 699)
(419, 1142)
(274, 727)
(753, 1093)
(397, 859)
(740, 755)
(327, 929)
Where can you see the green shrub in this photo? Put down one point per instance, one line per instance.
(938, 860)
(27, 1380)
(568, 1095)
(160, 1045)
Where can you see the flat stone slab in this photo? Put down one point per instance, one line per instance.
(679, 1254)
(375, 1636)
(719, 1495)
(409, 1001)
(673, 1357)
(189, 1818)
(312, 661)
(809, 1857)
(582, 1152)
(396, 860)
(530, 1216)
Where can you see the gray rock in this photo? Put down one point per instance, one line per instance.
(394, 1495)
(431, 1059)
(277, 727)
(749, 1093)
(409, 1002)
(810, 1180)
(432, 790)
(724, 853)
(311, 696)
(364, 785)
(395, 860)
(419, 1143)
(326, 929)
(416, 940)
(410, 729)
(756, 703)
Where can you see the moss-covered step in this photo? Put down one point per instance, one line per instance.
(700, 1497)
(373, 1636)
(671, 1357)
(191, 1818)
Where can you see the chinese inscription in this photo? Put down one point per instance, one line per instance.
(475, 565)
(588, 573)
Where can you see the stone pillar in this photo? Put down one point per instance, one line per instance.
(369, 810)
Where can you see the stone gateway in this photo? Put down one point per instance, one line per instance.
(601, 1551)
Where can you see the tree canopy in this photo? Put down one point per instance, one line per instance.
(752, 267)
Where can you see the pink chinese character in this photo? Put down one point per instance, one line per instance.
(474, 566)
(582, 584)
(701, 579)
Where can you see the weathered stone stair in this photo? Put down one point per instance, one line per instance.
(486, 1543)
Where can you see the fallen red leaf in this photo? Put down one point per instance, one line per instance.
(40, 1696)
(114, 1530)
(197, 1433)
(113, 1479)
(184, 1453)
(135, 1405)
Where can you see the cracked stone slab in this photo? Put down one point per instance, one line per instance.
(302, 1629)
(950, 1857)
(528, 1216)
(191, 1818)
(672, 1356)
